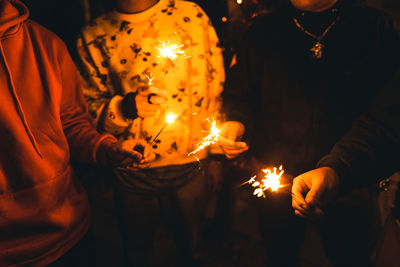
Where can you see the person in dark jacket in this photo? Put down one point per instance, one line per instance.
(44, 122)
(302, 77)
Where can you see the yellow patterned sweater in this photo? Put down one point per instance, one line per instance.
(119, 54)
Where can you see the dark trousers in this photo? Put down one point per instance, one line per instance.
(348, 230)
(179, 209)
(281, 230)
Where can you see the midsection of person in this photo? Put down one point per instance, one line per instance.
(127, 48)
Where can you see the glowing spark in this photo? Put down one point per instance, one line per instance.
(170, 118)
(239, 2)
(149, 78)
(168, 50)
(271, 181)
(210, 139)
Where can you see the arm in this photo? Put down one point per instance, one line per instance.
(237, 96)
(112, 108)
(370, 150)
(86, 144)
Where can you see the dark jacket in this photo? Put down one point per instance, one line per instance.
(297, 107)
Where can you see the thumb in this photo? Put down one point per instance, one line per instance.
(232, 134)
(157, 100)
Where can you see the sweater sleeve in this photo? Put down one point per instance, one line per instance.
(101, 93)
(83, 139)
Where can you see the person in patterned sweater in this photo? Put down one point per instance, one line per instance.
(130, 88)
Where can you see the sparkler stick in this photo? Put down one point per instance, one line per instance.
(149, 77)
(169, 118)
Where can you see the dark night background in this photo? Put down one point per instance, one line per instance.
(66, 18)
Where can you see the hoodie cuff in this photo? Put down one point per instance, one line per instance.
(128, 106)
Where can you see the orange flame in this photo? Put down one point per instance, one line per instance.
(210, 139)
(168, 50)
(271, 181)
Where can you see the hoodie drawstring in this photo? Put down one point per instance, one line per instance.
(18, 103)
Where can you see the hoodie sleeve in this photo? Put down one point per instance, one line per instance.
(83, 139)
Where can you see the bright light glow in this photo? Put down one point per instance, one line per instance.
(239, 2)
(210, 139)
(168, 50)
(224, 19)
(170, 118)
(149, 77)
(271, 181)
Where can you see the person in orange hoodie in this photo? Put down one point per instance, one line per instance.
(43, 122)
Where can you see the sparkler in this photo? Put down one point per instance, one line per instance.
(210, 139)
(149, 77)
(169, 118)
(168, 50)
(271, 181)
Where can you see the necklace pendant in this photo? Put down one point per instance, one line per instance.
(317, 50)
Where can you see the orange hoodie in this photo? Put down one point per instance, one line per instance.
(43, 118)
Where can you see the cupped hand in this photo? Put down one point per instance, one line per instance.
(231, 133)
(312, 190)
(139, 146)
(148, 100)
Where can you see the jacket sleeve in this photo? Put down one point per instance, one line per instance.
(241, 85)
(104, 97)
(82, 137)
(370, 151)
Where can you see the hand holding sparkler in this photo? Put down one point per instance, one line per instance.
(314, 189)
(139, 146)
(231, 132)
(148, 100)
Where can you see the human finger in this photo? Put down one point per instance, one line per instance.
(234, 145)
(149, 155)
(130, 153)
(313, 197)
(146, 114)
(155, 99)
(234, 152)
(300, 214)
(157, 91)
(299, 203)
(299, 189)
(299, 208)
